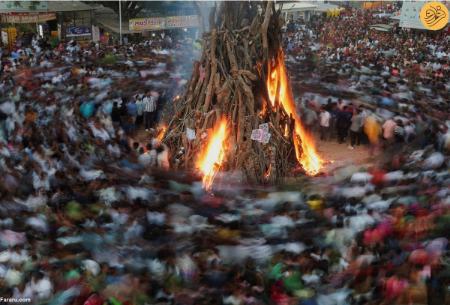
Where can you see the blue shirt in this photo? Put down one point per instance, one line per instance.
(386, 101)
(87, 109)
(132, 109)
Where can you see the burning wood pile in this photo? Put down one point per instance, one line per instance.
(238, 111)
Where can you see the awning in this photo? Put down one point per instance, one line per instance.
(42, 6)
(68, 6)
(111, 23)
(382, 15)
(296, 7)
(381, 27)
(326, 7)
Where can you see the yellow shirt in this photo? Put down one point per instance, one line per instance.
(372, 129)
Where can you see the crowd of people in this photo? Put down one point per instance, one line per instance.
(357, 125)
(400, 77)
(69, 119)
(86, 216)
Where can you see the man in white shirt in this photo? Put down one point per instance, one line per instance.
(147, 158)
(149, 103)
(41, 286)
(324, 122)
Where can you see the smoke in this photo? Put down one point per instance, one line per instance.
(204, 10)
(187, 56)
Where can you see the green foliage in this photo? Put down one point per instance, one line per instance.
(109, 59)
(54, 41)
(130, 9)
(442, 225)
(25, 28)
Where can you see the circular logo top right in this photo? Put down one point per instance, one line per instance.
(434, 16)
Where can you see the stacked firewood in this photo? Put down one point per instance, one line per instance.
(230, 80)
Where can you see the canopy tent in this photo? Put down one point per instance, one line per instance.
(326, 7)
(395, 17)
(293, 7)
(295, 10)
(382, 27)
(310, 7)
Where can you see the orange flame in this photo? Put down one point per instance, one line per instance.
(307, 155)
(272, 85)
(263, 110)
(268, 172)
(162, 132)
(211, 159)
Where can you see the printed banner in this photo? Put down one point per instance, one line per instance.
(4, 37)
(371, 5)
(77, 31)
(95, 33)
(161, 23)
(182, 21)
(27, 17)
(9, 36)
(141, 24)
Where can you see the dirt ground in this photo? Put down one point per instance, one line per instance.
(339, 155)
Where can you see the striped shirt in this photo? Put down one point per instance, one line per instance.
(149, 103)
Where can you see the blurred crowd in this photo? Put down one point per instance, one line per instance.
(87, 216)
(398, 78)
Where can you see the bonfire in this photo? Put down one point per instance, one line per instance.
(238, 112)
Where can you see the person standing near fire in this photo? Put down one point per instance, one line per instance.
(373, 131)
(355, 128)
(149, 103)
(343, 122)
(139, 109)
(324, 122)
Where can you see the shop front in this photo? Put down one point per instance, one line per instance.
(56, 21)
(74, 20)
(20, 20)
